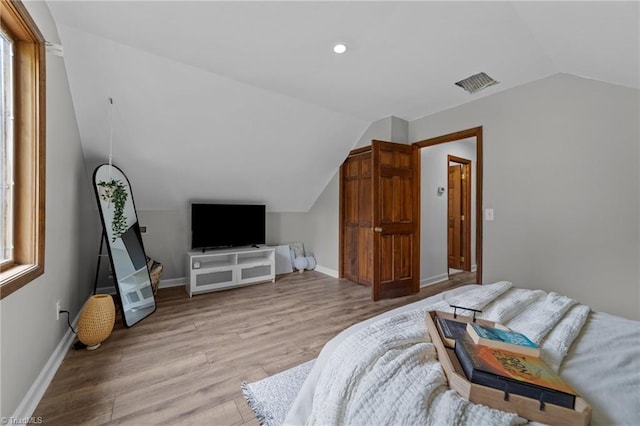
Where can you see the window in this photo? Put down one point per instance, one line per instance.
(6, 156)
(22, 161)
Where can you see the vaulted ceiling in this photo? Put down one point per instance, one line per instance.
(246, 101)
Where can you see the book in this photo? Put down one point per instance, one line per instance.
(502, 339)
(451, 330)
(513, 373)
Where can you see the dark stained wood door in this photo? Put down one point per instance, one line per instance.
(454, 215)
(356, 258)
(459, 214)
(465, 220)
(396, 219)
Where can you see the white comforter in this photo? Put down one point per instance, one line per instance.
(389, 374)
(385, 371)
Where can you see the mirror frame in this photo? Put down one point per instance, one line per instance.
(108, 239)
(475, 132)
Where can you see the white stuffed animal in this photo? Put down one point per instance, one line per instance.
(305, 262)
(301, 263)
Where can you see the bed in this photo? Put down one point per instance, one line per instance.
(384, 370)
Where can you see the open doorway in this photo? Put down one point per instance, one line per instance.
(434, 261)
(459, 184)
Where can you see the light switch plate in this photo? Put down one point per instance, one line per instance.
(488, 214)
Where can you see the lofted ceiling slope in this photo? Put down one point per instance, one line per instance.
(181, 133)
(245, 101)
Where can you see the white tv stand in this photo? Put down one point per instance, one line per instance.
(227, 268)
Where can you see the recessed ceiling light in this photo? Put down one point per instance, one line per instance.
(340, 48)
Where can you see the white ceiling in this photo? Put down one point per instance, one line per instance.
(245, 101)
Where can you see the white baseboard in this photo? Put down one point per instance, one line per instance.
(327, 271)
(172, 282)
(35, 393)
(439, 278)
(434, 280)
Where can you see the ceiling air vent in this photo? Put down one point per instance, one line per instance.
(476, 82)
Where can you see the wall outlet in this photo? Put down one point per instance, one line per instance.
(58, 310)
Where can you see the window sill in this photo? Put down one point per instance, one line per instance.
(17, 276)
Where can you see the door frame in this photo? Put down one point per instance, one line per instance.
(475, 132)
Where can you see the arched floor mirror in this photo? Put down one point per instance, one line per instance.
(121, 233)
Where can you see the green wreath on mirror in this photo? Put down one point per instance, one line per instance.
(115, 192)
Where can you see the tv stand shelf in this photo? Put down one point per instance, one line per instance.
(227, 268)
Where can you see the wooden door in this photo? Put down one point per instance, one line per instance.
(454, 214)
(396, 219)
(459, 214)
(465, 220)
(356, 257)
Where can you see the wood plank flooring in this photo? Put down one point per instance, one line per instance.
(185, 363)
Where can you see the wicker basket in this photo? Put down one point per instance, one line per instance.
(96, 320)
(155, 270)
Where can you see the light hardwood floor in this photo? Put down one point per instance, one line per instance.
(185, 363)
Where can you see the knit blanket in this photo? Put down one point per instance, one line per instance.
(388, 373)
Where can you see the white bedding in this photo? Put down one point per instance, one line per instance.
(605, 341)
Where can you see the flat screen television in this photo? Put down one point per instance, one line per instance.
(227, 225)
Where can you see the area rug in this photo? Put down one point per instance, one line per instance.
(271, 397)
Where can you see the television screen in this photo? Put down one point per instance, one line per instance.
(227, 225)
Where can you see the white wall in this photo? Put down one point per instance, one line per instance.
(283, 228)
(433, 207)
(168, 235)
(321, 223)
(167, 239)
(561, 171)
(184, 133)
(30, 332)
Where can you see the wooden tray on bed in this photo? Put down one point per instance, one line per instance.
(525, 407)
